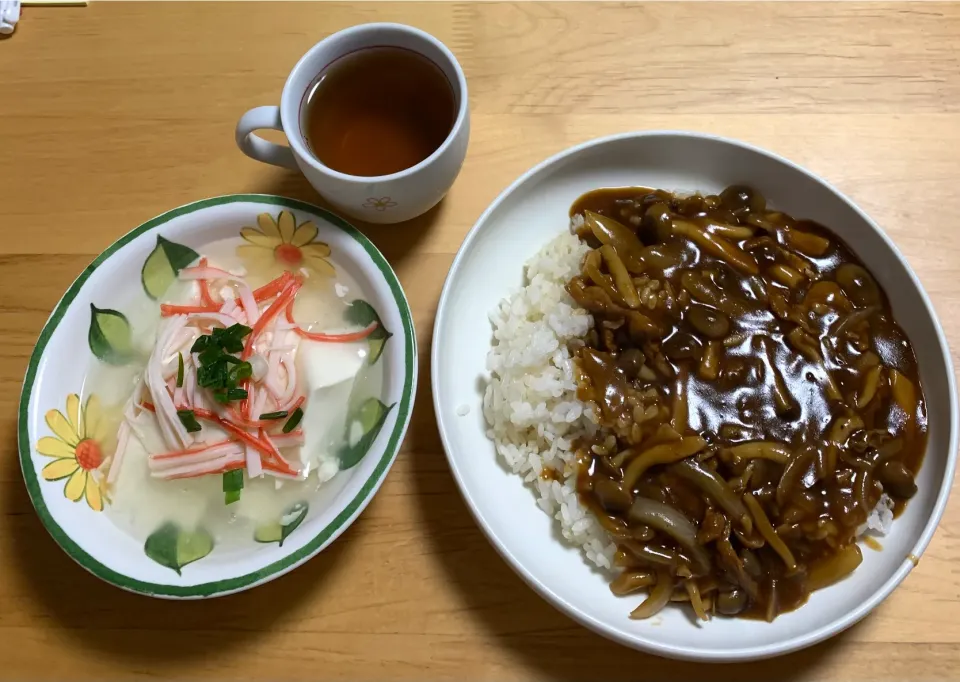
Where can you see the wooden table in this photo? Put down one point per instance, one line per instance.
(116, 112)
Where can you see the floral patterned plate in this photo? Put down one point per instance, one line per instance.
(65, 442)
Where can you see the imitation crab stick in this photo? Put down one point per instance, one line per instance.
(170, 309)
(239, 420)
(204, 272)
(267, 291)
(282, 440)
(272, 288)
(329, 338)
(264, 446)
(219, 465)
(269, 315)
(283, 300)
(205, 295)
(210, 450)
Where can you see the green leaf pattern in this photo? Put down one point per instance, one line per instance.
(163, 265)
(361, 313)
(109, 337)
(279, 531)
(173, 547)
(363, 426)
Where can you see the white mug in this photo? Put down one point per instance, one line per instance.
(385, 198)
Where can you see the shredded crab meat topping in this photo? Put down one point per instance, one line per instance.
(231, 435)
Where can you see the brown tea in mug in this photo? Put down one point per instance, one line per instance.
(378, 111)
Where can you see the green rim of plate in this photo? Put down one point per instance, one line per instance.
(334, 527)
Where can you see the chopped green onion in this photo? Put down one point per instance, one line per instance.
(225, 396)
(189, 420)
(232, 345)
(210, 355)
(179, 370)
(233, 480)
(232, 485)
(217, 369)
(274, 415)
(200, 344)
(293, 421)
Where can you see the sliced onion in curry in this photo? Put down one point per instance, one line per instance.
(673, 523)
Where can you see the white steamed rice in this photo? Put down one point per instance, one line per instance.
(530, 403)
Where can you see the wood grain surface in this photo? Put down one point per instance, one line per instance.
(113, 113)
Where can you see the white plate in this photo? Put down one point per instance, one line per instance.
(63, 357)
(490, 264)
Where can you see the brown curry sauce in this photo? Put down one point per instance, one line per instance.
(741, 331)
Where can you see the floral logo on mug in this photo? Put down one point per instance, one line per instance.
(381, 204)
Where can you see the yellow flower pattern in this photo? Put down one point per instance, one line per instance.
(77, 450)
(284, 243)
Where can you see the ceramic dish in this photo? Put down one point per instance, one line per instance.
(89, 318)
(489, 266)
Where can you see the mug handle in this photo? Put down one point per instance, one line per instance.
(256, 147)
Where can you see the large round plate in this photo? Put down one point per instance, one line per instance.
(51, 413)
(490, 264)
